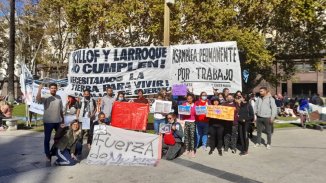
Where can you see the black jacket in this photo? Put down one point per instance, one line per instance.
(246, 113)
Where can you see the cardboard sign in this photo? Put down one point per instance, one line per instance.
(179, 90)
(125, 148)
(184, 110)
(86, 122)
(100, 129)
(165, 128)
(220, 112)
(201, 110)
(161, 106)
(132, 116)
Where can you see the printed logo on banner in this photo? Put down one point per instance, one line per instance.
(201, 110)
(184, 110)
(124, 147)
(207, 66)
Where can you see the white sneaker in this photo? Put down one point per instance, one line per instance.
(268, 147)
(256, 145)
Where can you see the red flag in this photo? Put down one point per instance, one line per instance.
(132, 116)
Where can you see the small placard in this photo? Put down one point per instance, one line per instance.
(165, 128)
(201, 110)
(100, 129)
(184, 110)
(179, 90)
(86, 122)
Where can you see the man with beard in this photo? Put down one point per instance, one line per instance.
(107, 104)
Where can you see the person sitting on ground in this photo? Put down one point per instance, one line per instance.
(288, 111)
(100, 121)
(68, 146)
(172, 147)
(5, 112)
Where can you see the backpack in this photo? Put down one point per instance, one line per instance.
(169, 138)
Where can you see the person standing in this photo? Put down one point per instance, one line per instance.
(87, 109)
(231, 127)
(53, 114)
(266, 112)
(216, 129)
(141, 98)
(190, 127)
(107, 104)
(202, 122)
(246, 115)
(121, 97)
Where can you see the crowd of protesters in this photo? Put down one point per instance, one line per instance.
(188, 132)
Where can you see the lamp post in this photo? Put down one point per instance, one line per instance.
(166, 35)
(11, 64)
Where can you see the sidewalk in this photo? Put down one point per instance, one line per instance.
(297, 155)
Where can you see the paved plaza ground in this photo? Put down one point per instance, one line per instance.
(297, 155)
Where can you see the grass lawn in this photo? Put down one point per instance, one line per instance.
(19, 111)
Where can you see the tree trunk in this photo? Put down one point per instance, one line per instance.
(11, 65)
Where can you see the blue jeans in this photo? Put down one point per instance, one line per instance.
(79, 148)
(157, 123)
(48, 128)
(202, 133)
(64, 158)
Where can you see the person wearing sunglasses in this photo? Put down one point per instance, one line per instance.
(171, 148)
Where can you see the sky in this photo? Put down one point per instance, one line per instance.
(4, 6)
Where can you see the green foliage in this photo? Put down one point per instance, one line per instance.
(296, 28)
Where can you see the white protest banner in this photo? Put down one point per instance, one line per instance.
(45, 92)
(204, 66)
(122, 69)
(161, 106)
(165, 128)
(124, 147)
